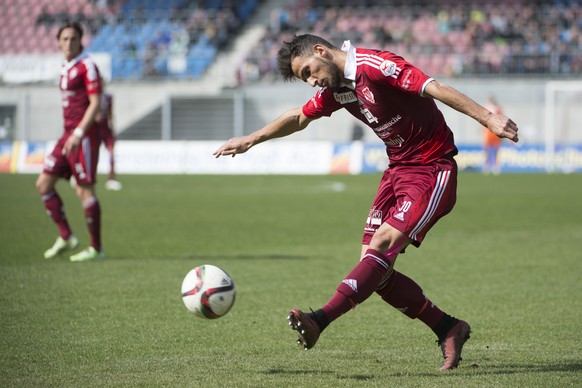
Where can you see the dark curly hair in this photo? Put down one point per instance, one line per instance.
(298, 46)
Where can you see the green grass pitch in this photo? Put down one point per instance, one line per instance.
(508, 259)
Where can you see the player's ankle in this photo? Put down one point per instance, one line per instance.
(320, 317)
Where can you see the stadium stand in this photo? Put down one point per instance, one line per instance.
(442, 37)
(157, 38)
(181, 38)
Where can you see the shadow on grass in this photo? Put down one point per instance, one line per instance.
(306, 373)
(468, 370)
(504, 369)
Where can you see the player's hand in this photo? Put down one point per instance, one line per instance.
(71, 144)
(236, 145)
(503, 127)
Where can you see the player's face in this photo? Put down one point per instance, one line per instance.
(317, 71)
(70, 43)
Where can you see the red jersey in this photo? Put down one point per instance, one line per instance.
(79, 79)
(386, 94)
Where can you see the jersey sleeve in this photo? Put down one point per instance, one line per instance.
(92, 78)
(398, 73)
(321, 104)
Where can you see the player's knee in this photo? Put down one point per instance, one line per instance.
(389, 240)
(85, 192)
(43, 185)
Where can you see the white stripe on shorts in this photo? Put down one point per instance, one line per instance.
(435, 199)
(86, 144)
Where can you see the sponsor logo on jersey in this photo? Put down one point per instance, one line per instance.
(386, 128)
(396, 142)
(399, 216)
(345, 98)
(388, 68)
(406, 79)
(369, 95)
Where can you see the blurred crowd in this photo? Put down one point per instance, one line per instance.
(213, 24)
(442, 37)
(102, 12)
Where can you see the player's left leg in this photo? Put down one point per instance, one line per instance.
(433, 196)
(92, 210)
(405, 295)
(85, 161)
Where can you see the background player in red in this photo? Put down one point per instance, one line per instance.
(77, 151)
(396, 100)
(104, 121)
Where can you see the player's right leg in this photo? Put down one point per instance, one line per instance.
(356, 287)
(45, 185)
(364, 278)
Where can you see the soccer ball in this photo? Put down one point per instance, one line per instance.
(208, 292)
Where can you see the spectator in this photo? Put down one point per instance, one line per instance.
(491, 143)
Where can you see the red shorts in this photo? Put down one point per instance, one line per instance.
(106, 134)
(412, 199)
(82, 162)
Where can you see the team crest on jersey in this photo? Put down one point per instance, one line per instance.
(74, 72)
(345, 98)
(369, 95)
(388, 68)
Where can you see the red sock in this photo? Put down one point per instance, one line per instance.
(93, 218)
(55, 209)
(358, 285)
(405, 295)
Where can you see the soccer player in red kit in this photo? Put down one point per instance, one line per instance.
(396, 100)
(77, 151)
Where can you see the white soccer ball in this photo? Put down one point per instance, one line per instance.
(208, 292)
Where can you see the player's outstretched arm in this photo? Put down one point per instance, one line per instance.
(289, 122)
(499, 124)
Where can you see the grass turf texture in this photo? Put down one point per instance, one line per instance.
(507, 259)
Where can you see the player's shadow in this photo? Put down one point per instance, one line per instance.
(315, 373)
(505, 369)
(472, 370)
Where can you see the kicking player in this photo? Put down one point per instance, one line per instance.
(396, 100)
